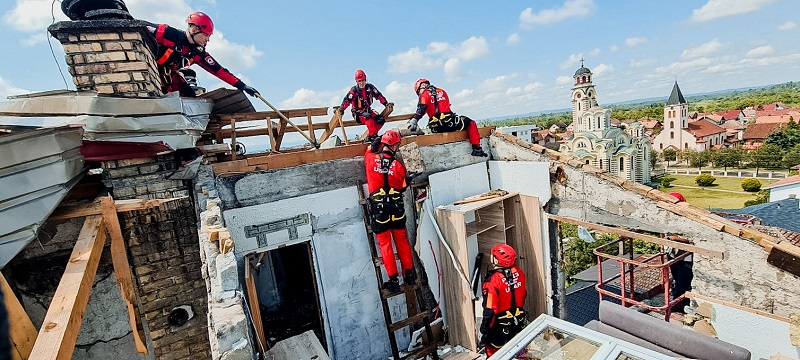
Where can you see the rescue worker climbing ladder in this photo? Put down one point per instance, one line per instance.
(179, 49)
(386, 181)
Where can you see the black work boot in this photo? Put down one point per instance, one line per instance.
(410, 278)
(393, 285)
(477, 151)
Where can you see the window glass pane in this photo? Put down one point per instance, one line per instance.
(555, 344)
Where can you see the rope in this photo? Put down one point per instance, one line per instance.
(58, 65)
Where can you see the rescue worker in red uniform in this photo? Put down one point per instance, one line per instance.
(504, 293)
(179, 49)
(386, 181)
(435, 103)
(361, 97)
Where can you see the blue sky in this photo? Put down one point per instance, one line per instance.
(495, 58)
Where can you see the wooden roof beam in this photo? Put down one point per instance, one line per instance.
(95, 208)
(22, 332)
(62, 323)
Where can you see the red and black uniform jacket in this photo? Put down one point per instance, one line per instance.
(361, 100)
(427, 105)
(498, 288)
(382, 167)
(175, 52)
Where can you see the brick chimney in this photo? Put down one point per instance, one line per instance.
(113, 57)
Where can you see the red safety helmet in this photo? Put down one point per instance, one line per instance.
(202, 21)
(390, 137)
(678, 196)
(505, 255)
(360, 75)
(419, 83)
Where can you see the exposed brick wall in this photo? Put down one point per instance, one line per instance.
(165, 254)
(110, 56)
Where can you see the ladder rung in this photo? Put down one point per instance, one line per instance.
(406, 322)
(427, 349)
(385, 294)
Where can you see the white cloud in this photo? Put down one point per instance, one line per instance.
(760, 51)
(602, 69)
(570, 8)
(33, 15)
(706, 49)
(715, 9)
(640, 63)
(513, 39)
(789, 25)
(693, 64)
(171, 12)
(563, 80)
(595, 52)
(439, 54)
(635, 41)
(533, 86)
(232, 55)
(572, 61)
(304, 98)
(8, 89)
(453, 70)
(613, 48)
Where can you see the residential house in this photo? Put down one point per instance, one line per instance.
(680, 134)
(773, 106)
(524, 132)
(544, 138)
(755, 134)
(788, 188)
(555, 128)
(731, 115)
(716, 119)
(734, 131)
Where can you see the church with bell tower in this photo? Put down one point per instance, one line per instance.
(623, 151)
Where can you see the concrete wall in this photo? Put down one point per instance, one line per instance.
(744, 277)
(783, 192)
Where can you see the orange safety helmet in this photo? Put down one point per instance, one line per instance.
(360, 75)
(390, 137)
(506, 256)
(419, 83)
(202, 21)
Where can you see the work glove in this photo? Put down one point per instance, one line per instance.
(412, 125)
(391, 104)
(249, 90)
(375, 145)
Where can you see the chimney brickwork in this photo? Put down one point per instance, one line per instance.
(112, 57)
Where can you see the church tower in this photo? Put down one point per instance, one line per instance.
(676, 111)
(586, 114)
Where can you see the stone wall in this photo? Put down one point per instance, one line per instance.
(744, 277)
(110, 56)
(165, 255)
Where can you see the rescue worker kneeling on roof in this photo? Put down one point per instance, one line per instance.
(386, 180)
(179, 49)
(436, 103)
(504, 293)
(360, 97)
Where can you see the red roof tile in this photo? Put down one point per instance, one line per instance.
(759, 131)
(701, 128)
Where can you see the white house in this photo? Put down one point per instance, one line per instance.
(784, 188)
(524, 132)
(680, 134)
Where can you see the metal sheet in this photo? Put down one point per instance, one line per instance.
(229, 101)
(41, 166)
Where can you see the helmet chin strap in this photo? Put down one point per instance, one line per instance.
(192, 34)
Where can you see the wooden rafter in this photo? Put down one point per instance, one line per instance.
(252, 301)
(122, 271)
(95, 208)
(62, 323)
(22, 332)
(643, 237)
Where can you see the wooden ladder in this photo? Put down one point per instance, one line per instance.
(414, 315)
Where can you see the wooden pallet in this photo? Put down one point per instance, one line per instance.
(415, 316)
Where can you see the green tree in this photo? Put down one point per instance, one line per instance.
(669, 154)
(766, 156)
(751, 185)
(653, 158)
(791, 157)
(726, 158)
(666, 181)
(761, 198)
(704, 180)
(696, 158)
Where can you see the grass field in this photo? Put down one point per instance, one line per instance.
(725, 193)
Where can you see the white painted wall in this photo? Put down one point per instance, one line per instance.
(351, 307)
(525, 177)
(783, 192)
(763, 336)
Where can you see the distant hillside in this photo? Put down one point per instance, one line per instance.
(653, 108)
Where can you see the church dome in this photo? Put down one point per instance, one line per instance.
(583, 70)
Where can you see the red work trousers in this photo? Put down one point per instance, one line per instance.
(372, 126)
(403, 250)
(472, 132)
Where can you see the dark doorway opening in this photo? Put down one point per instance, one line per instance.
(287, 292)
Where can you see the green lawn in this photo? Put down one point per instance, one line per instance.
(712, 197)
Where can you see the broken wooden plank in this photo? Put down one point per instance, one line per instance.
(253, 304)
(225, 119)
(62, 323)
(303, 346)
(122, 271)
(643, 237)
(692, 295)
(22, 333)
(94, 208)
(785, 256)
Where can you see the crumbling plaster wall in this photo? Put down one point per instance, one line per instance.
(744, 277)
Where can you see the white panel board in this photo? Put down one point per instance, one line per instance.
(524, 177)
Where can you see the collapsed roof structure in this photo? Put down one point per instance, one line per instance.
(217, 253)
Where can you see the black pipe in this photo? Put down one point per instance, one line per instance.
(95, 9)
